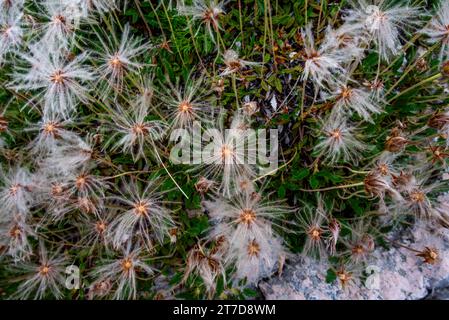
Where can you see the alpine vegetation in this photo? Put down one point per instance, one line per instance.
(192, 149)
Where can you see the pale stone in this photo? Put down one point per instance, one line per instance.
(402, 275)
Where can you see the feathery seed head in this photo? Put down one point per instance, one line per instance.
(119, 60)
(381, 23)
(207, 12)
(44, 277)
(338, 142)
(118, 275)
(437, 31)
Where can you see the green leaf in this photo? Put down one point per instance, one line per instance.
(300, 174)
(250, 292)
(314, 182)
(281, 192)
(331, 276)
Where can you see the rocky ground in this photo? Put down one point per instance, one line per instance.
(401, 274)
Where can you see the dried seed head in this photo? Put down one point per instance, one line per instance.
(234, 65)
(346, 94)
(115, 62)
(56, 189)
(15, 232)
(421, 64)
(368, 242)
(315, 233)
(59, 19)
(375, 184)
(141, 208)
(3, 124)
(226, 152)
(383, 169)
(396, 143)
(376, 85)
(44, 270)
(100, 289)
(312, 55)
(58, 77)
(417, 196)
(402, 180)
(250, 108)
(139, 129)
(86, 205)
(203, 185)
(219, 87)
(81, 181)
(438, 154)
(255, 196)
(344, 276)
(445, 68)
(14, 189)
(100, 227)
(185, 107)
(358, 250)
(173, 233)
(247, 216)
(208, 15)
(336, 134)
(430, 255)
(127, 264)
(211, 15)
(50, 128)
(334, 229)
(253, 249)
(439, 120)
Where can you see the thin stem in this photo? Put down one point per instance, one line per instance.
(234, 87)
(305, 11)
(358, 184)
(412, 40)
(401, 245)
(241, 21)
(118, 20)
(157, 18)
(270, 23)
(430, 79)
(126, 173)
(277, 169)
(220, 41)
(379, 62)
(352, 170)
(168, 172)
(108, 24)
(195, 47)
(303, 93)
(265, 30)
(410, 68)
(143, 17)
(172, 32)
(319, 17)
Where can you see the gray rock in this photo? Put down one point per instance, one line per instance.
(439, 294)
(400, 274)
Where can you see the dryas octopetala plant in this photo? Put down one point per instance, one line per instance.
(127, 133)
